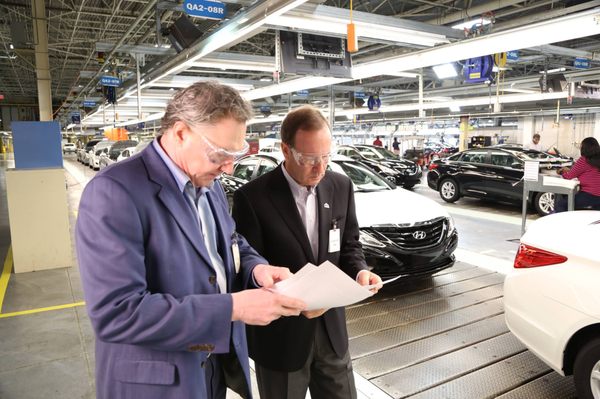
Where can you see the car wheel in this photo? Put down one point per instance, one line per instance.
(409, 186)
(544, 203)
(586, 372)
(449, 190)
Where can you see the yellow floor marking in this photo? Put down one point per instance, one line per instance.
(5, 274)
(39, 310)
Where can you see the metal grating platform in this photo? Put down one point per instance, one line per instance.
(446, 338)
(380, 307)
(392, 337)
(402, 316)
(417, 378)
(549, 386)
(418, 351)
(490, 381)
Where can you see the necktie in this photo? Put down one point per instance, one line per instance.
(311, 222)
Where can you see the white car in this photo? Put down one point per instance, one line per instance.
(552, 297)
(69, 148)
(126, 153)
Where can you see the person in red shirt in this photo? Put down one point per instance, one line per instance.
(377, 142)
(587, 170)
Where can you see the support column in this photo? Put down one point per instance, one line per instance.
(331, 108)
(464, 133)
(527, 127)
(42, 64)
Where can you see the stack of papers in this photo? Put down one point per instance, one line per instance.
(323, 287)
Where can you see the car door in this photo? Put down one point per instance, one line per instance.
(505, 177)
(471, 172)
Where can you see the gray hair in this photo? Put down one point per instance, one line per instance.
(205, 102)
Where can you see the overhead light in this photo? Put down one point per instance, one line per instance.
(454, 108)
(555, 70)
(266, 79)
(471, 23)
(444, 71)
(11, 46)
(106, 70)
(291, 86)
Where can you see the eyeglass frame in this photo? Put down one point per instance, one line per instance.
(313, 160)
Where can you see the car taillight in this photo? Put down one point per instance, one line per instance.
(433, 166)
(528, 256)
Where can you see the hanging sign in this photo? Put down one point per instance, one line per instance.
(110, 81)
(302, 93)
(204, 9)
(360, 94)
(76, 118)
(512, 55)
(581, 63)
(89, 104)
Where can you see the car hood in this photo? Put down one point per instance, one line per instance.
(395, 206)
(573, 234)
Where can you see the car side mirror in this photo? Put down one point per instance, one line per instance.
(355, 157)
(516, 165)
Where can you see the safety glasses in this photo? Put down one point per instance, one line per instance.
(310, 159)
(220, 156)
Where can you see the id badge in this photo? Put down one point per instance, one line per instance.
(334, 240)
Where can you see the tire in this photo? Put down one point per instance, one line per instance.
(586, 370)
(543, 203)
(449, 190)
(409, 186)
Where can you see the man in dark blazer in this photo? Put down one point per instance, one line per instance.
(295, 214)
(162, 266)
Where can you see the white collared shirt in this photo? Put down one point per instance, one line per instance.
(306, 202)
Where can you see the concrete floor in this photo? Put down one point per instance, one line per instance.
(48, 353)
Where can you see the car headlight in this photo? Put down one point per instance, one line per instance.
(451, 226)
(387, 170)
(368, 240)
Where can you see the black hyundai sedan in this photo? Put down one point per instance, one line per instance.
(490, 173)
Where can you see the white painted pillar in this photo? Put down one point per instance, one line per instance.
(42, 64)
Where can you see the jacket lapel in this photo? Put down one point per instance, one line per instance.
(325, 192)
(174, 201)
(284, 203)
(223, 241)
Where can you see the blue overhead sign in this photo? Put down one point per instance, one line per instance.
(89, 104)
(581, 63)
(512, 55)
(204, 9)
(110, 81)
(302, 93)
(359, 94)
(76, 118)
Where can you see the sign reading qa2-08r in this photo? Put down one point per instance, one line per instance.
(204, 9)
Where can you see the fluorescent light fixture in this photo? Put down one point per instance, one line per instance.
(266, 79)
(573, 26)
(445, 71)
(555, 70)
(292, 86)
(469, 24)
(454, 108)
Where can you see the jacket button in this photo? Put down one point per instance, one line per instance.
(212, 280)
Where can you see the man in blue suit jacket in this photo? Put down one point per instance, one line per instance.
(163, 269)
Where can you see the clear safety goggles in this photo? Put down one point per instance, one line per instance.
(310, 159)
(220, 156)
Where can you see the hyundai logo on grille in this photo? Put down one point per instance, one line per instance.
(419, 235)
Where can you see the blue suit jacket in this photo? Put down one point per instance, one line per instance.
(149, 285)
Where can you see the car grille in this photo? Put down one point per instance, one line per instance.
(420, 235)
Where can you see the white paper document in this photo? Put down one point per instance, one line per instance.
(323, 287)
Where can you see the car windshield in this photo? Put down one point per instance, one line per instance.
(385, 153)
(363, 178)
